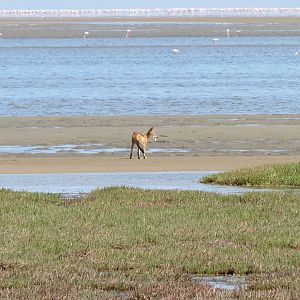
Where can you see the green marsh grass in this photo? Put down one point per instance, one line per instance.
(123, 243)
(281, 175)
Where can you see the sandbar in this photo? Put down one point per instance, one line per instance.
(35, 27)
(210, 142)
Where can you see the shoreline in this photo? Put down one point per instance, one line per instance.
(212, 142)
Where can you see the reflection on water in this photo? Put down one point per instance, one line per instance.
(231, 282)
(72, 183)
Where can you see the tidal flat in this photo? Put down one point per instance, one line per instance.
(125, 243)
(186, 143)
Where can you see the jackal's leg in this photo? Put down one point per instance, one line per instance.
(143, 150)
(131, 150)
(138, 153)
(144, 153)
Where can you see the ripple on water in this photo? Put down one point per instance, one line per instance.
(38, 80)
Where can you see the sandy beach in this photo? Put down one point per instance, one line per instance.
(210, 142)
(31, 27)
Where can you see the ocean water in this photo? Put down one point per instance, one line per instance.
(136, 76)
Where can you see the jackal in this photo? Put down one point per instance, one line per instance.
(140, 140)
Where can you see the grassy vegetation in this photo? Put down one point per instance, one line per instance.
(270, 175)
(134, 244)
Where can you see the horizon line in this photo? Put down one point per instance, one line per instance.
(153, 8)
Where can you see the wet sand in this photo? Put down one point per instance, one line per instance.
(212, 142)
(90, 164)
(147, 27)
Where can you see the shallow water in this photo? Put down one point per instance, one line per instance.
(230, 282)
(74, 183)
(119, 76)
(79, 149)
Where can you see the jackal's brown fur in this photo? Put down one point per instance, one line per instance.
(140, 140)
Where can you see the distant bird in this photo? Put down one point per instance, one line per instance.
(85, 34)
(215, 40)
(175, 50)
(237, 32)
(127, 32)
(297, 53)
(228, 35)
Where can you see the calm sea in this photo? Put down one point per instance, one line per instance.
(119, 76)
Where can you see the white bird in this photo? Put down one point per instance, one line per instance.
(175, 50)
(85, 34)
(127, 32)
(237, 32)
(297, 53)
(215, 40)
(228, 33)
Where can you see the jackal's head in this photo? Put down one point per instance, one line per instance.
(152, 132)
